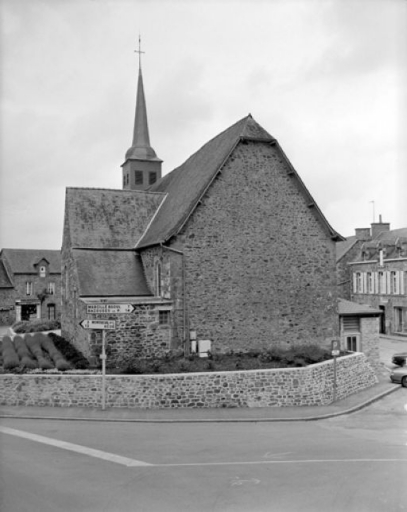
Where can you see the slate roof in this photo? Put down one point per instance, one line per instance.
(393, 234)
(108, 218)
(24, 261)
(187, 184)
(344, 246)
(110, 273)
(348, 308)
(5, 281)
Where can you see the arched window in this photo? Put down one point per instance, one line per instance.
(158, 279)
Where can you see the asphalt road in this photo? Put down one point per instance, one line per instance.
(350, 463)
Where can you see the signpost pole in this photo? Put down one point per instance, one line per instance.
(334, 390)
(103, 358)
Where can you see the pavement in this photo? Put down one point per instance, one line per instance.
(347, 405)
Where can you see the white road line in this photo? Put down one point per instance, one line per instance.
(254, 462)
(111, 457)
(125, 461)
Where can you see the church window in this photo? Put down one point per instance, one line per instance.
(164, 317)
(152, 178)
(158, 280)
(138, 177)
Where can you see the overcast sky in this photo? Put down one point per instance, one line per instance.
(327, 78)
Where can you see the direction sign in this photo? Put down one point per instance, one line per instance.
(98, 324)
(109, 308)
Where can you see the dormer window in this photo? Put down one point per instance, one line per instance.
(43, 271)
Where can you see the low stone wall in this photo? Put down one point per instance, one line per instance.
(312, 385)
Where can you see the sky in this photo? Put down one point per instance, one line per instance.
(327, 78)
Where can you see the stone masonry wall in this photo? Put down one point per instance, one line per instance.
(259, 266)
(312, 385)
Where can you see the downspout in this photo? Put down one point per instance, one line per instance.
(184, 302)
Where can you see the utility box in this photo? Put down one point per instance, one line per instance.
(204, 346)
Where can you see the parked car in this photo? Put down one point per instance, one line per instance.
(399, 376)
(399, 359)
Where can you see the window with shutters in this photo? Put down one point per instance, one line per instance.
(152, 178)
(138, 177)
(393, 282)
(382, 283)
(369, 280)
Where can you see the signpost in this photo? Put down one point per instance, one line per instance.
(102, 325)
(335, 353)
(109, 308)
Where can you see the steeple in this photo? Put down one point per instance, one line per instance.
(142, 167)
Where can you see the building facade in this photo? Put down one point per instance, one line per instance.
(30, 285)
(378, 275)
(230, 246)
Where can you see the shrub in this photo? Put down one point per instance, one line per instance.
(70, 353)
(34, 344)
(56, 356)
(24, 353)
(36, 326)
(10, 356)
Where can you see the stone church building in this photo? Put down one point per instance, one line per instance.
(229, 247)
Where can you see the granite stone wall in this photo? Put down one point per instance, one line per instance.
(312, 385)
(259, 266)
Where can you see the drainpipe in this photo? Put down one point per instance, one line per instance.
(184, 302)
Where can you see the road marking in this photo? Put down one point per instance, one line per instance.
(254, 462)
(125, 461)
(111, 457)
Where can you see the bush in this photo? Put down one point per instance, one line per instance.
(37, 325)
(70, 353)
(56, 356)
(10, 356)
(34, 344)
(24, 353)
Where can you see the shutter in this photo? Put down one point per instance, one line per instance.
(376, 282)
(351, 323)
(364, 282)
(397, 282)
(355, 282)
(388, 283)
(402, 285)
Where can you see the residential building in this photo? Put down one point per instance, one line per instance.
(377, 274)
(30, 285)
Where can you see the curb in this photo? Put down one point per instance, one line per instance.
(212, 420)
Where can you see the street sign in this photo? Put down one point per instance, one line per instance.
(98, 324)
(109, 308)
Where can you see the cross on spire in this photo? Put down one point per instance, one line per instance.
(139, 52)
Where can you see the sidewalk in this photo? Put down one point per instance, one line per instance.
(269, 414)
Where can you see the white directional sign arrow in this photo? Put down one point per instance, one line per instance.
(98, 324)
(109, 308)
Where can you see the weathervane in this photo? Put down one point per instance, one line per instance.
(139, 52)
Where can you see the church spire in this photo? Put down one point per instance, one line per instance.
(140, 148)
(142, 167)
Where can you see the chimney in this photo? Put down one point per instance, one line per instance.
(363, 234)
(379, 227)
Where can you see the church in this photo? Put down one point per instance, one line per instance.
(229, 247)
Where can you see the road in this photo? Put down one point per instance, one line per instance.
(356, 462)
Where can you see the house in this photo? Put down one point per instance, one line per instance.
(359, 329)
(230, 246)
(30, 285)
(378, 275)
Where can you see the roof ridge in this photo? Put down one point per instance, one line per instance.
(116, 190)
